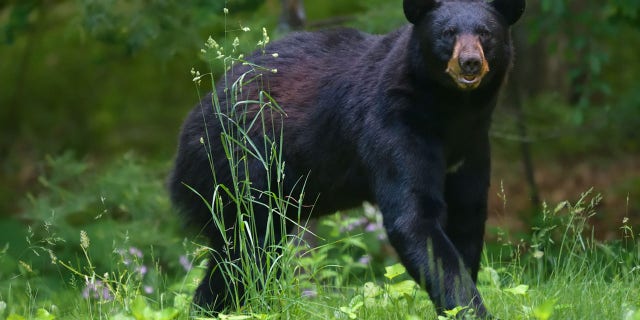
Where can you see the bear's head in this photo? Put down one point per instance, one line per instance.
(464, 43)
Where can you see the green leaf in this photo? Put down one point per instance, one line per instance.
(371, 293)
(490, 276)
(167, 314)
(404, 288)
(631, 314)
(518, 290)
(121, 316)
(139, 308)
(394, 271)
(454, 312)
(14, 316)
(371, 290)
(43, 314)
(545, 310)
(182, 302)
(349, 313)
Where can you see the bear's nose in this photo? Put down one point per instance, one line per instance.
(470, 64)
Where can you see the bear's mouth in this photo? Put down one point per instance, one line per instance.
(467, 65)
(465, 81)
(469, 79)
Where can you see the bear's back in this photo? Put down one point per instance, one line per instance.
(326, 45)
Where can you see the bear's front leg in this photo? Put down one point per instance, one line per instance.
(466, 191)
(408, 176)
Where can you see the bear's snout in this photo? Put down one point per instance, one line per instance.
(470, 64)
(467, 65)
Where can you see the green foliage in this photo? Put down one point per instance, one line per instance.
(379, 16)
(106, 234)
(578, 75)
(559, 271)
(354, 247)
(61, 262)
(592, 41)
(108, 204)
(582, 26)
(18, 20)
(96, 77)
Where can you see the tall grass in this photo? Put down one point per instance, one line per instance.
(255, 256)
(563, 271)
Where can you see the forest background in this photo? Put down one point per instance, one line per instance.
(103, 78)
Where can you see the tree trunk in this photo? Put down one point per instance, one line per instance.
(520, 86)
(293, 16)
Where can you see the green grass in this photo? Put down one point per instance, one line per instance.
(562, 272)
(557, 272)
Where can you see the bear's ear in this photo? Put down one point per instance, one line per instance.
(511, 10)
(415, 10)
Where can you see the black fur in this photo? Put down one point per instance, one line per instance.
(376, 118)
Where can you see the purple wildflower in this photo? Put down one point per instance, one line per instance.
(85, 292)
(309, 293)
(186, 264)
(106, 294)
(148, 289)
(135, 252)
(354, 224)
(96, 290)
(365, 259)
(142, 270)
(371, 227)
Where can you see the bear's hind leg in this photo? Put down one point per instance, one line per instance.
(241, 265)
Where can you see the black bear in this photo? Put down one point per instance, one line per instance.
(401, 120)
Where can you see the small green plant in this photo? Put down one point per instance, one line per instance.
(351, 247)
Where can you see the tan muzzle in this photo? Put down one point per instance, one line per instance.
(467, 65)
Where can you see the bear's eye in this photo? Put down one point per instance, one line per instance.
(484, 34)
(449, 33)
